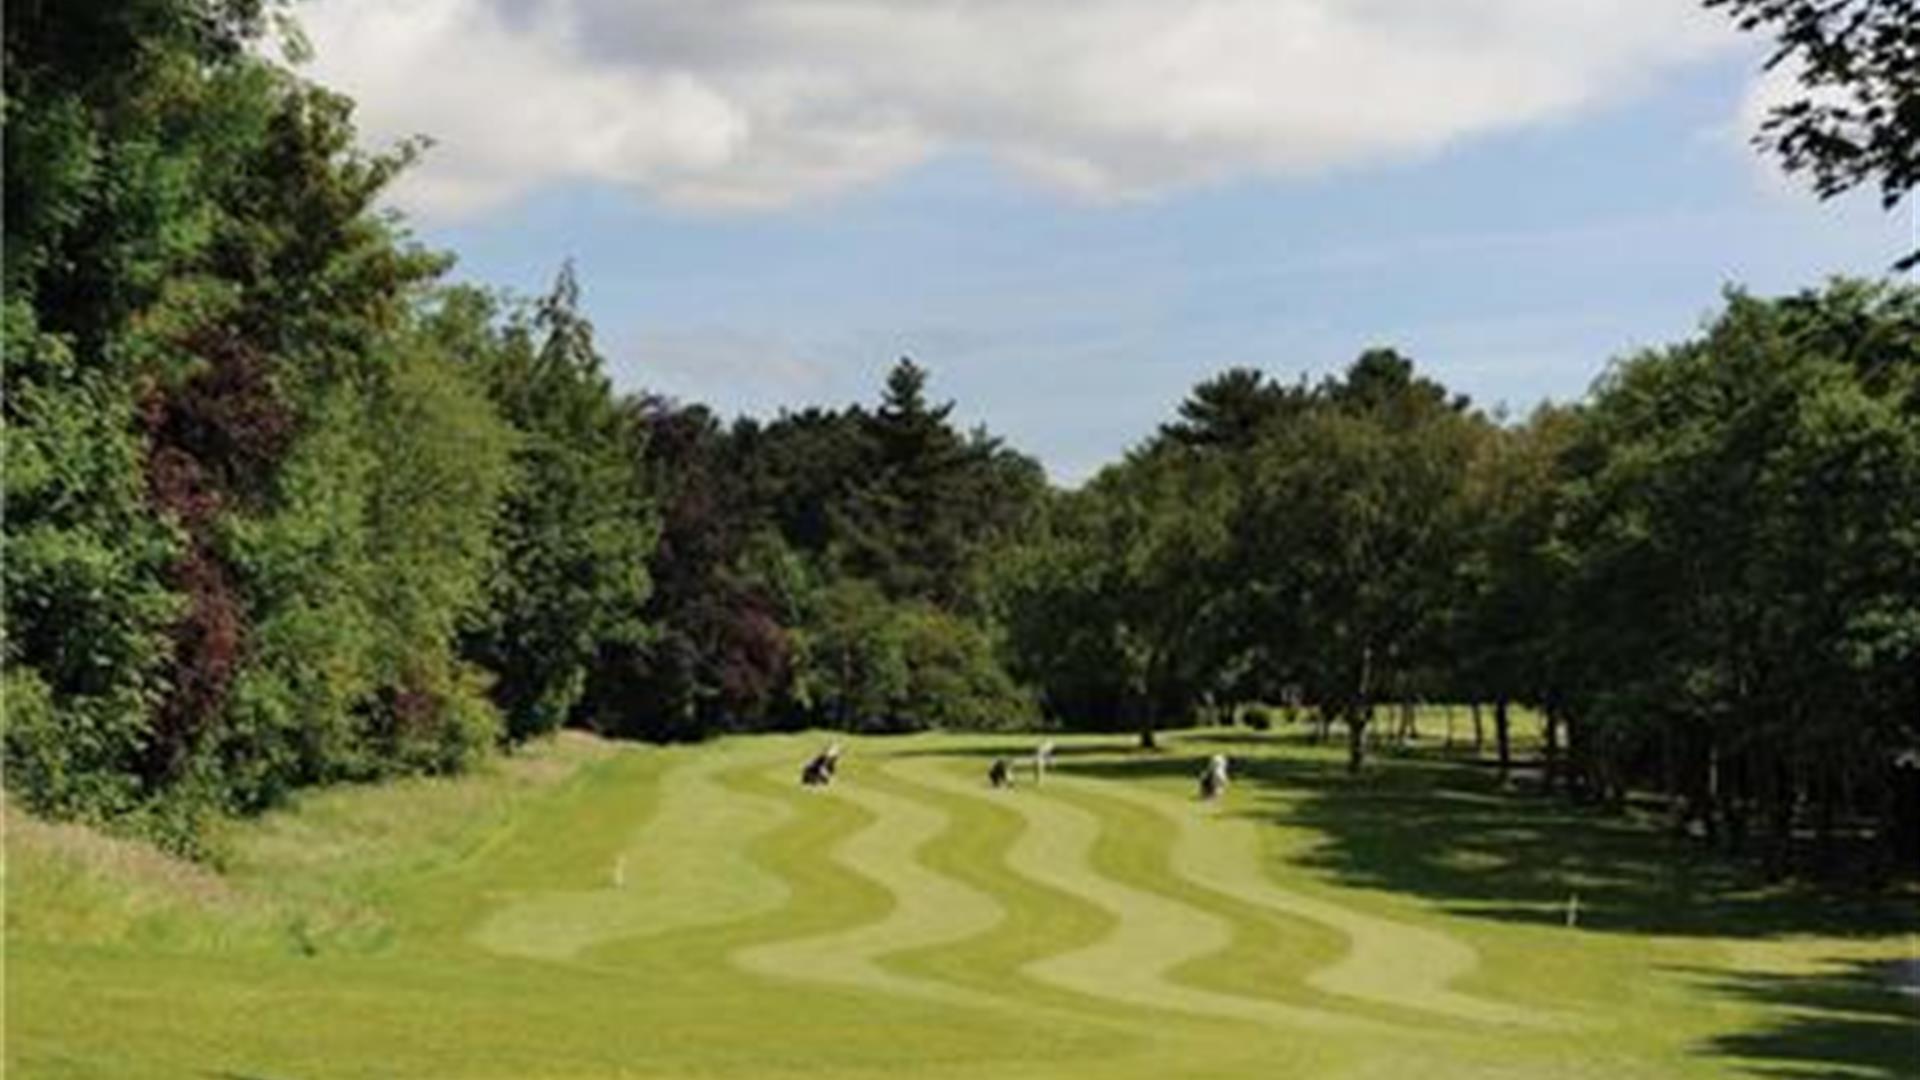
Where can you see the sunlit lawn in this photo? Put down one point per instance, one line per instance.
(588, 910)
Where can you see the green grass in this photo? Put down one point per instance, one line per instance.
(584, 910)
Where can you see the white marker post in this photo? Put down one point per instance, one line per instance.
(1573, 910)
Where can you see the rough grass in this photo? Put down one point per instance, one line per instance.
(590, 911)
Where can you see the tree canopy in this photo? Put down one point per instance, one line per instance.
(286, 508)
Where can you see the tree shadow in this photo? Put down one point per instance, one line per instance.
(1454, 835)
(1850, 1021)
(1025, 746)
(1244, 737)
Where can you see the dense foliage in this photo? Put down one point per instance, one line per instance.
(283, 509)
(1707, 578)
(1741, 542)
(830, 566)
(216, 590)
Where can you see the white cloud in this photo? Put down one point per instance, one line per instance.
(754, 103)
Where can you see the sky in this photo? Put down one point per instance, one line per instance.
(1070, 213)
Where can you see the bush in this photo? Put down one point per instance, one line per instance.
(50, 752)
(880, 665)
(468, 727)
(954, 680)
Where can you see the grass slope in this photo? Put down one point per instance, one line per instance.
(591, 911)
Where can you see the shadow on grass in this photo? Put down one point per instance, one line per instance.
(1848, 1022)
(1019, 747)
(1450, 834)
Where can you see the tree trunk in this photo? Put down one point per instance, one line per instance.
(1550, 775)
(1360, 714)
(1739, 797)
(1479, 732)
(1579, 769)
(1777, 861)
(1357, 722)
(1144, 700)
(1712, 800)
(1503, 736)
(1669, 781)
(1736, 826)
(846, 690)
(1823, 849)
(1903, 815)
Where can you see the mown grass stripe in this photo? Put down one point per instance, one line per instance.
(684, 866)
(1150, 934)
(1385, 961)
(1269, 953)
(927, 908)
(1036, 921)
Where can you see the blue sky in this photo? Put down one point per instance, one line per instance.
(1511, 263)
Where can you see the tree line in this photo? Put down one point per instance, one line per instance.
(284, 507)
(1705, 577)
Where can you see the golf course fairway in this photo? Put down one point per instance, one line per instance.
(585, 909)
